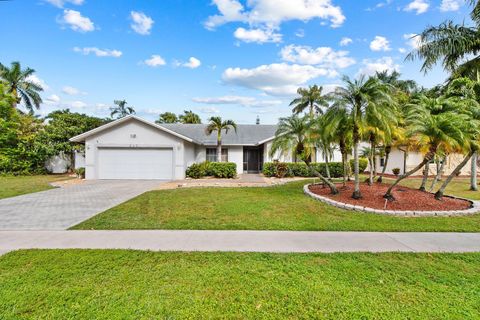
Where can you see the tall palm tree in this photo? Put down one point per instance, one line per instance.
(431, 132)
(189, 117)
(294, 136)
(324, 139)
(20, 84)
(120, 109)
(338, 121)
(310, 98)
(217, 124)
(366, 100)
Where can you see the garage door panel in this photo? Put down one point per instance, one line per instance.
(134, 163)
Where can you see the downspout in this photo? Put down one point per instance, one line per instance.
(404, 159)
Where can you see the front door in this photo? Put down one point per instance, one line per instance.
(252, 159)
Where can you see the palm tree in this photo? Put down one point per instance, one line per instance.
(431, 132)
(323, 139)
(167, 117)
(338, 121)
(311, 99)
(20, 84)
(294, 136)
(217, 124)
(121, 110)
(367, 101)
(189, 117)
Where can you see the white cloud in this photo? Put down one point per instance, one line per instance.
(102, 106)
(322, 56)
(257, 35)
(52, 99)
(61, 3)
(345, 41)
(155, 61)
(71, 91)
(380, 5)
(380, 44)
(38, 81)
(412, 40)
(142, 24)
(270, 14)
(192, 63)
(98, 52)
(77, 104)
(275, 79)
(300, 33)
(77, 22)
(383, 64)
(209, 110)
(238, 100)
(402, 50)
(419, 6)
(449, 5)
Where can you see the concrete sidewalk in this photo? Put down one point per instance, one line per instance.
(247, 241)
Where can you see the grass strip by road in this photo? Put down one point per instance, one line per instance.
(96, 284)
(11, 186)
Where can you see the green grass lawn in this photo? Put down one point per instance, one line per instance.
(273, 208)
(459, 187)
(11, 186)
(89, 284)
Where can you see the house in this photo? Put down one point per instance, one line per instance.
(134, 148)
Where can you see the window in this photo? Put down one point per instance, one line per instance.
(382, 162)
(212, 154)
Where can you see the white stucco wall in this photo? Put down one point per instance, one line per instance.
(79, 160)
(337, 156)
(134, 134)
(58, 164)
(282, 157)
(235, 155)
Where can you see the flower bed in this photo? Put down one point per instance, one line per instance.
(409, 202)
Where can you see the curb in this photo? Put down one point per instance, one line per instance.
(475, 207)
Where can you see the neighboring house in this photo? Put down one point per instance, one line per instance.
(407, 160)
(133, 148)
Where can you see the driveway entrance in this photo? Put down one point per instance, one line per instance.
(61, 208)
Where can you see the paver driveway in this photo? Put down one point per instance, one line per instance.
(61, 208)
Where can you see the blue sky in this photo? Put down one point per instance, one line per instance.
(236, 59)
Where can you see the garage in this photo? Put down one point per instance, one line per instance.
(135, 163)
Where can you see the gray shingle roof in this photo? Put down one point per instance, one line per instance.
(247, 134)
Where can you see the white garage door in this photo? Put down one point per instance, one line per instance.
(133, 163)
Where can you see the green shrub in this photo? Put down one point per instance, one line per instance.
(80, 172)
(362, 164)
(223, 169)
(396, 171)
(196, 171)
(299, 169)
(215, 169)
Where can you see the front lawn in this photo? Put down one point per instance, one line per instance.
(95, 284)
(11, 186)
(271, 208)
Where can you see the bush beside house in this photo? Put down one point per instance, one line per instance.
(283, 169)
(212, 169)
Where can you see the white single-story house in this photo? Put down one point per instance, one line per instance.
(134, 148)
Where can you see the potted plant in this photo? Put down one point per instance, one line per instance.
(396, 171)
(80, 172)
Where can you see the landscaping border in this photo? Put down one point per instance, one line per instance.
(475, 207)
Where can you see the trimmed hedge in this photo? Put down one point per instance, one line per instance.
(299, 169)
(215, 169)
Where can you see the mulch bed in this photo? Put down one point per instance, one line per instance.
(405, 198)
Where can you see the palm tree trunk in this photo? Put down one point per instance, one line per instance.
(356, 191)
(473, 172)
(427, 158)
(439, 193)
(344, 161)
(219, 148)
(388, 149)
(372, 162)
(425, 176)
(438, 176)
(327, 167)
(333, 188)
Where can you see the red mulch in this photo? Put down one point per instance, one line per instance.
(405, 198)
